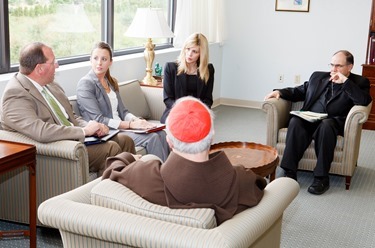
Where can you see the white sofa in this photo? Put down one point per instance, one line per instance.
(63, 165)
(83, 224)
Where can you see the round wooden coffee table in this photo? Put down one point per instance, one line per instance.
(261, 159)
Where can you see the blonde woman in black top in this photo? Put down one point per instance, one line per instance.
(189, 75)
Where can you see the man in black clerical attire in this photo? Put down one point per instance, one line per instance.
(334, 93)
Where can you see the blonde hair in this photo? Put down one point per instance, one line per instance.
(195, 39)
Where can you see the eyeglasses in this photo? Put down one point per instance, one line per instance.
(54, 62)
(336, 65)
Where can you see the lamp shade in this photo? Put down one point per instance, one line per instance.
(149, 23)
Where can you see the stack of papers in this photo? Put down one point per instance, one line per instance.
(150, 130)
(309, 115)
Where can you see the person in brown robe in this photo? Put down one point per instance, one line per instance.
(191, 177)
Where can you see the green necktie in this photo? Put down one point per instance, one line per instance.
(56, 109)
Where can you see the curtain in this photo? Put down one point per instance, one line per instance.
(203, 16)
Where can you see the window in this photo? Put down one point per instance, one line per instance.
(71, 27)
(123, 15)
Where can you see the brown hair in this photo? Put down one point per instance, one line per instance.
(349, 57)
(106, 46)
(31, 55)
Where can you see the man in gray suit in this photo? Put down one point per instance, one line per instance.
(27, 110)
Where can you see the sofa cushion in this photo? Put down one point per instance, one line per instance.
(134, 99)
(132, 96)
(73, 102)
(113, 195)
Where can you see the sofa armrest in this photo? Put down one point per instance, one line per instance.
(67, 149)
(60, 167)
(352, 133)
(277, 116)
(72, 213)
(356, 116)
(257, 220)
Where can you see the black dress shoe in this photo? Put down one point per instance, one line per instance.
(319, 186)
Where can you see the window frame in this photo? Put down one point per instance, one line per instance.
(4, 37)
(107, 35)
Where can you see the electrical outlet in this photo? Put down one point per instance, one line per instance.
(297, 79)
(281, 78)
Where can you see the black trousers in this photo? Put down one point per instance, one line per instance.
(299, 136)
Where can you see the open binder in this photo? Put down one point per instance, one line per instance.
(309, 115)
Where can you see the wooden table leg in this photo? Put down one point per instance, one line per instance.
(272, 176)
(32, 206)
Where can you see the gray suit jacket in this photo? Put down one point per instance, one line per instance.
(93, 101)
(24, 110)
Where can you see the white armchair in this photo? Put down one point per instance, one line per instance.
(347, 147)
(82, 224)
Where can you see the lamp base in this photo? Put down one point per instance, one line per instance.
(149, 58)
(150, 80)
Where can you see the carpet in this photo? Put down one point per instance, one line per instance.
(338, 218)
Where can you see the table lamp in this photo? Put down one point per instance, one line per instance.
(149, 23)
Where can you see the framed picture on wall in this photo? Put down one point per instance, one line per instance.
(292, 5)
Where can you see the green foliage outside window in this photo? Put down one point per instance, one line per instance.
(54, 23)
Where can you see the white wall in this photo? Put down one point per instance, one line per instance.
(264, 43)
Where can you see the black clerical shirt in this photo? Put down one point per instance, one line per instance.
(331, 90)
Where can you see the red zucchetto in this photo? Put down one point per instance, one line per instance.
(189, 121)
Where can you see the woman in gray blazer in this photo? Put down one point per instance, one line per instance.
(98, 99)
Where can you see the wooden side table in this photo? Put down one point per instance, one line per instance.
(261, 159)
(369, 72)
(12, 156)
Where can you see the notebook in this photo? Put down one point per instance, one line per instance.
(92, 140)
(309, 115)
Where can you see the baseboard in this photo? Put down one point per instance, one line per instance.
(237, 103)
